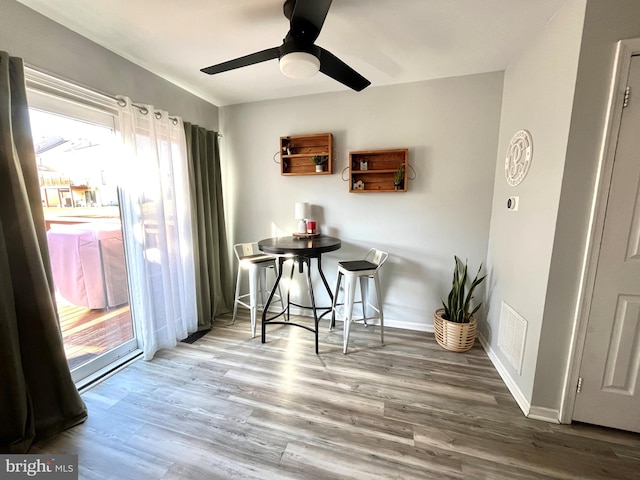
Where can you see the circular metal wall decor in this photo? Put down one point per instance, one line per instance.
(518, 160)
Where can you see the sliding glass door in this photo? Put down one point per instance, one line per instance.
(76, 157)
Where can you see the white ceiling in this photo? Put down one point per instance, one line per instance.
(387, 41)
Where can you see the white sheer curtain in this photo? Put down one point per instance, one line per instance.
(156, 218)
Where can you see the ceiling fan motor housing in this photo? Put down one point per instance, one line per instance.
(298, 56)
(299, 59)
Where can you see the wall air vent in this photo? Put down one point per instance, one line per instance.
(511, 336)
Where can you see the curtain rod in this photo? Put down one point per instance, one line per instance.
(143, 110)
(119, 100)
(122, 102)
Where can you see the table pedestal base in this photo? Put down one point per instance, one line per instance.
(301, 260)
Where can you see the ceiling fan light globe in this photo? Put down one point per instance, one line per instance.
(299, 65)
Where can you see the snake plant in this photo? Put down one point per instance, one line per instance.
(457, 308)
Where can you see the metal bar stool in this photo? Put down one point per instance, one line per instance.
(362, 271)
(251, 259)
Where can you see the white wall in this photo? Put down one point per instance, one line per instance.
(538, 97)
(49, 46)
(451, 129)
(603, 28)
(457, 131)
(558, 89)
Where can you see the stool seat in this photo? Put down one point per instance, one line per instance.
(357, 265)
(256, 263)
(358, 271)
(258, 258)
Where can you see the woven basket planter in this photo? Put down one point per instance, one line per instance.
(452, 336)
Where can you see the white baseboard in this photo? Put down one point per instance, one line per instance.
(420, 327)
(550, 415)
(535, 413)
(518, 396)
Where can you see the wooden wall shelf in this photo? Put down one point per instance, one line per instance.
(296, 152)
(379, 172)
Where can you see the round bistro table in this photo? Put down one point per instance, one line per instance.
(302, 250)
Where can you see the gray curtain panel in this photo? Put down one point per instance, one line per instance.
(213, 269)
(37, 395)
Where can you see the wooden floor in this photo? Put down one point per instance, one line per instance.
(230, 407)
(87, 333)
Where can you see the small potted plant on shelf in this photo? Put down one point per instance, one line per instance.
(398, 178)
(454, 325)
(320, 160)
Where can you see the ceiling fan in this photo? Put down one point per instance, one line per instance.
(298, 56)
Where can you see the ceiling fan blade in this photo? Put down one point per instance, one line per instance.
(335, 68)
(263, 56)
(308, 17)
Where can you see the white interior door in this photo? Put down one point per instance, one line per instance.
(608, 393)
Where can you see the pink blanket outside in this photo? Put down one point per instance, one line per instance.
(88, 265)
